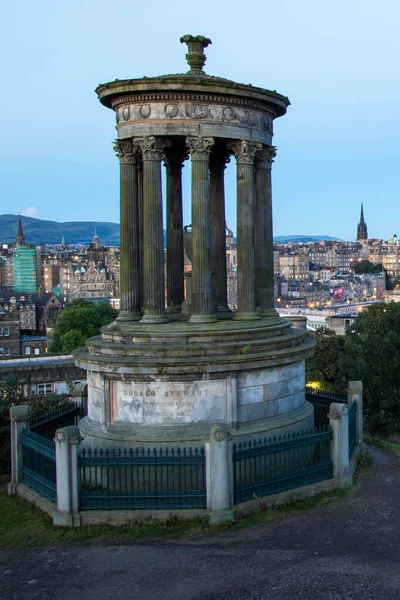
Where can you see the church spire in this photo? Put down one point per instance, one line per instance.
(20, 239)
(362, 232)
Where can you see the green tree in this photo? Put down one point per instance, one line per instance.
(365, 266)
(11, 392)
(77, 322)
(328, 363)
(372, 350)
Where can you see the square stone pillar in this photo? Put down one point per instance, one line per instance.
(219, 474)
(67, 440)
(19, 417)
(339, 422)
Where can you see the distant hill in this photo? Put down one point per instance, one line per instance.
(39, 232)
(302, 239)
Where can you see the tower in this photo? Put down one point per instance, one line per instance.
(362, 232)
(25, 268)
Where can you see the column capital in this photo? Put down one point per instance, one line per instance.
(126, 150)
(152, 147)
(199, 147)
(244, 151)
(219, 160)
(265, 157)
(173, 158)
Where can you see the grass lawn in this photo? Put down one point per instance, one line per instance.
(23, 524)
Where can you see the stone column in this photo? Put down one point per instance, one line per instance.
(202, 303)
(265, 300)
(153, 237)
(66, 440)
(219, 474)
(175, 258)
(246, 282)
(139, 178)
(19, 417)
(339, 423)
(130, 269)
(355, 394)
(218, 162)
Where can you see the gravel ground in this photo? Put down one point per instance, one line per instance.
(348, 549)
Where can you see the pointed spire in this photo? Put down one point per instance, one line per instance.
(20, 239)
(362, 232)
(362, 215)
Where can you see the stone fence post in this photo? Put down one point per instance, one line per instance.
(67, 440)
(219, 475)
(19, 417)
(355, 393)
(339, 422)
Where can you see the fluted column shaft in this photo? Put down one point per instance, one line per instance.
(202, 304)
(264, 233)
(246, 283)
(130, 283)
(218, 230)
(153, 243)
(175, 256)
(139, 178)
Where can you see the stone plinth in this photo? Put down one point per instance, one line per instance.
(172, 384)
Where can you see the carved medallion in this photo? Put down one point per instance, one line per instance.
(126, 113)
(228, 114)
(200, 111)
(251, 117)
(171, 110)
(145, 111)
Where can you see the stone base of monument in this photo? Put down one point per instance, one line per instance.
(170, 384)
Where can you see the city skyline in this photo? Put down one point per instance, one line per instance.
(336, 145)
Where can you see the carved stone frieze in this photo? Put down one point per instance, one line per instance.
(197, 109)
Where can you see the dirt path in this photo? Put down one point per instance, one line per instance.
(349, 549)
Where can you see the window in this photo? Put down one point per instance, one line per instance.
(1, 331)
(44, 388)
(36, 351)
(7, 351)
(27, 350)
(6, 331)
(1, 351)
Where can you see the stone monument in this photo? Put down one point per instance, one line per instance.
(158, 374)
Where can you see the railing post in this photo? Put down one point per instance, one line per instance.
(219, 470)
(67, 440)
(355, 393)
(19, 417)
(339, 422)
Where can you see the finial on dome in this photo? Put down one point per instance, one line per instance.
(195, 57)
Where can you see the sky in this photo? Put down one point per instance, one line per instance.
(338, 61)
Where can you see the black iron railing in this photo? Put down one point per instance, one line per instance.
(267, 466)
(47, 424)
(142, 478)
(321, 402)
(39, 464)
